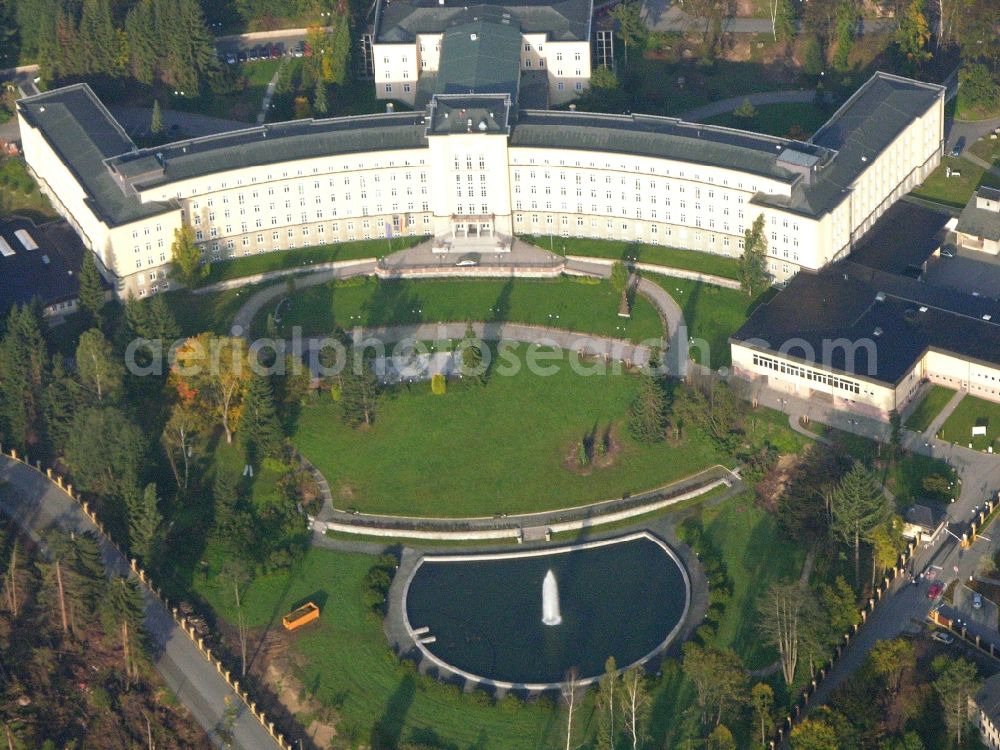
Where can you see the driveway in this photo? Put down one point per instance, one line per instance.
(37, 504)
(984, 618)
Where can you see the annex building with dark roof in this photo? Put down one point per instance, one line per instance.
(473, 162)
(864, 333)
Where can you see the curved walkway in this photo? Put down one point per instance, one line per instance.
(760, 99)
(512, 527)
(36, 504)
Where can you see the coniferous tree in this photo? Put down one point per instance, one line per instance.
(646, 415)
(260, 432)
(60, 400)
(91, 293)
(162, 323)
(63, 592)
(145, 525)
(23, 374)
(122, 611)
(141, 42)
(360, 391)
(97, 37)
(156, 121)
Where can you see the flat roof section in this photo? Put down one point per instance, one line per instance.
(901, 317)
(903, 238)
(560, 21)
(49, 273)
(82, 132)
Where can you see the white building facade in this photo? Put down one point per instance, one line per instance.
(473, 162)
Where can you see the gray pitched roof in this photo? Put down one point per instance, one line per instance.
(664, 137)
(980, 222)
(480, 58)
(274, 144)
(83, 133)
(403, 20)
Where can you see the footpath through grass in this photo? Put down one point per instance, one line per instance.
(935, 400)
(278, 260)
(686, 260)
(508, 447)
(347, 665)
(570, 303)
(970, 412)
(712, 314)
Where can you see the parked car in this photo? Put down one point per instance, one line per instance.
(299, 50)
(935, 590)
(242, 56)
(230, 58)
(941, 637)
(977, 601)
(469, 259)
(275, 52)
(959, 145)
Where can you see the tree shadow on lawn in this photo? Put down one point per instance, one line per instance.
(388, 729)
(762, 564)
(392, 304)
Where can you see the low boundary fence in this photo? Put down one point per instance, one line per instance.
(179, 619)
(981, 521)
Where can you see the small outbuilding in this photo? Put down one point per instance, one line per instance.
(923, 523)
(978, 227)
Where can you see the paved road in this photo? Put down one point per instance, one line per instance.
(760, 99)
(36, 504)
(906, 605)
(971, 130)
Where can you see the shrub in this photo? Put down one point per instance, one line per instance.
(439, 385)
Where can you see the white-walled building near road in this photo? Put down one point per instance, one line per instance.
(412, 39)
(472, 163)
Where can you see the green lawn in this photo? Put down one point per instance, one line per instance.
(987, 149)
(348, 665)
(955, 191)
(958, 428)
(802, 118)
(756, 554)
(570, 303)
(502, 448)
(208, 312)
(661, 87)
(712, 314)
(242, 105)
(249, 265)
(935, 400)
(905, 478)
(20, 195)
(687, 260)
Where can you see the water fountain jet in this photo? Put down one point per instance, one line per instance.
(550, 600)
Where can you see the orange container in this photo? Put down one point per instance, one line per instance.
(300, 616)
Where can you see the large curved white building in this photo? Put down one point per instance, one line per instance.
(471, 164)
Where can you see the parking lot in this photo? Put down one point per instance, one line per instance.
(240, 52)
